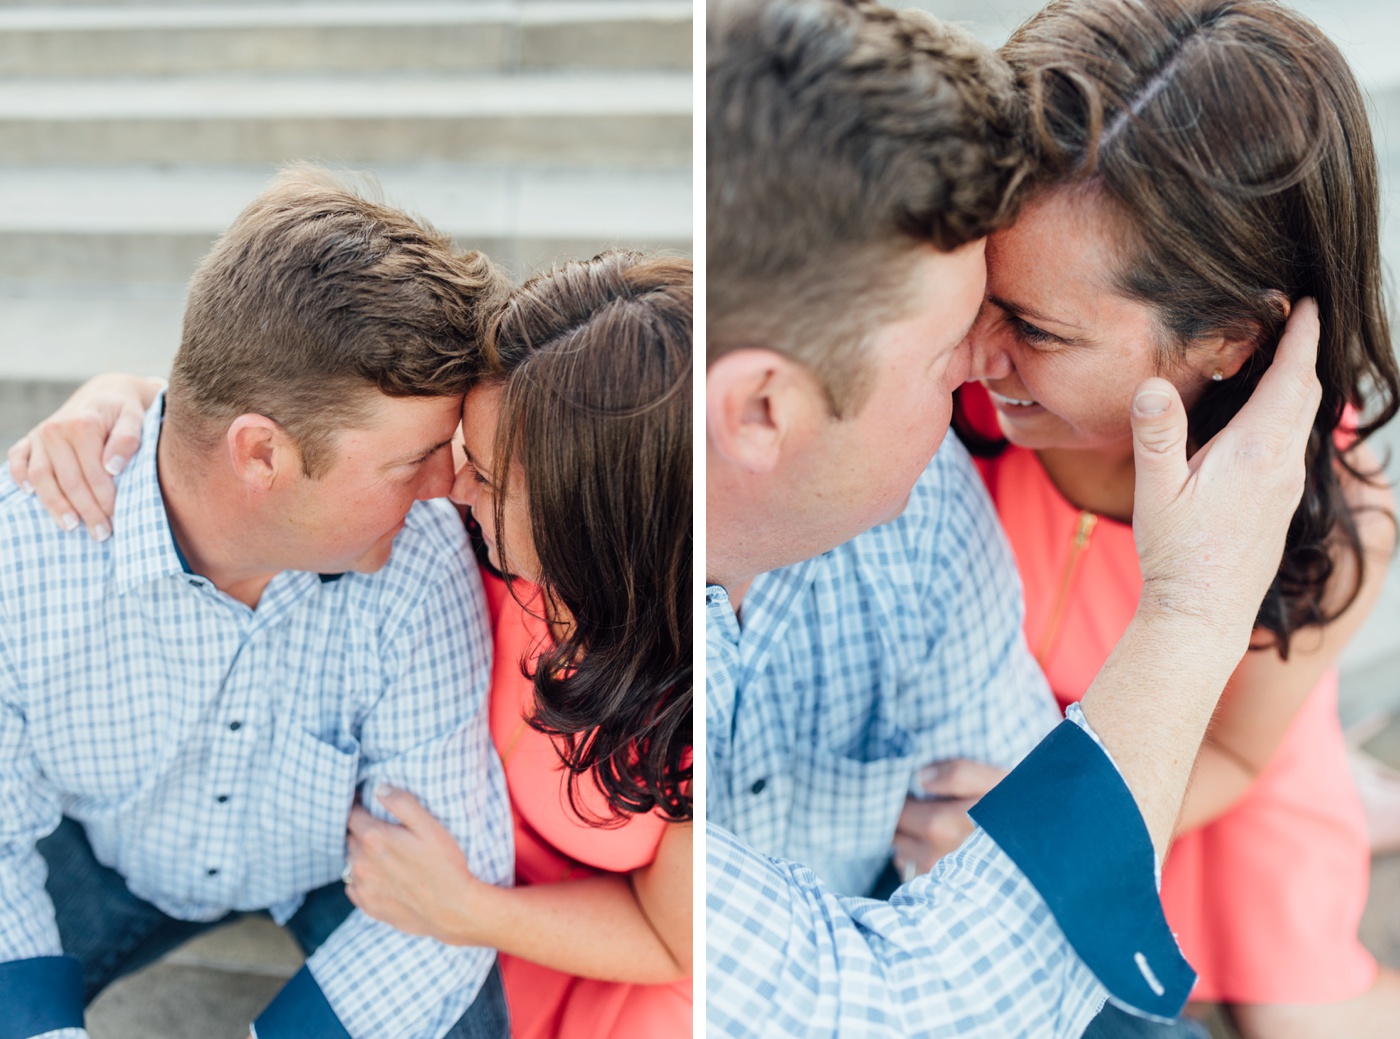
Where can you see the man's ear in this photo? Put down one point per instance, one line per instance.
(759, 404)
(260, 451)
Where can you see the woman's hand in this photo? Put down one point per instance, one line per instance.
(69, 460)
(413, 877)
(930, 827)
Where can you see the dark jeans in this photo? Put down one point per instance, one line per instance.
(115, 933)
(1113, 1023)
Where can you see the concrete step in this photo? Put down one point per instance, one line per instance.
(211, 987)
(492, 35)
(152, 224)
(56, 332)
(640, 119)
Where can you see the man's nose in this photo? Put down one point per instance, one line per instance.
(988, 359)
(436, 480)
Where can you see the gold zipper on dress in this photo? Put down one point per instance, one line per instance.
(1082, 531)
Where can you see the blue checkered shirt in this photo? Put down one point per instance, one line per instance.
(211, 752)
(849, 671)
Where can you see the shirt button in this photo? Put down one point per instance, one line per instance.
(234, 726)
(758, 785)
(222, 798)
(212, 871)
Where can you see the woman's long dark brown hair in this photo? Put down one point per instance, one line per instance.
(1231, 140)
(595, 360)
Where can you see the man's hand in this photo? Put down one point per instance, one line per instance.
(930, 827)
(69, 460)
(1210, 531)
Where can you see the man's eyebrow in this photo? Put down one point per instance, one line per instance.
(422, 455)
(1021, 310)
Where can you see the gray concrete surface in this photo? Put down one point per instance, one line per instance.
(486, 35)
(210, 988)
(132, 133)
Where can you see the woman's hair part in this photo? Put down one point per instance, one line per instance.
(1230, 143)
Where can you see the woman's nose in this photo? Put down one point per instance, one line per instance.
(463, 487)
(989, 360)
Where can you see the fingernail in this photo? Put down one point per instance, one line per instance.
(1152, 402)
(115, 464)
(27, 487)
(101, 532)
(384, 790)
(930, 774)
(69, 522)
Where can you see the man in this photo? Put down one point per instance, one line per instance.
(861, 616)
(278, 622)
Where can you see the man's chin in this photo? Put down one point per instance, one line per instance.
(373, 560)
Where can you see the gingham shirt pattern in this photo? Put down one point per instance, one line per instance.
(969, 950)
(212, 752)
(853, 669)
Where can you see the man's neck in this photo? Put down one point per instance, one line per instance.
(735, 589)
(208, 526)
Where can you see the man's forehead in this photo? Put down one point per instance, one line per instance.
(404, 428)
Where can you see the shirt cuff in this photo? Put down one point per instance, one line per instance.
(300, 1011)
(42, 994)
(1069, 822)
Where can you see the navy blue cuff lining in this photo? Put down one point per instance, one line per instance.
(300, 1011)
(40, 995)
(1066, 818)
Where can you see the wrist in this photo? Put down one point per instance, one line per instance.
(474, 918)
(1186, 632)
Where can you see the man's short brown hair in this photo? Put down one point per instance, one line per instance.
(316, 298)
(842, 135)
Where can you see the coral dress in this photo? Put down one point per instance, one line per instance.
(1265, 900)
(554, 844)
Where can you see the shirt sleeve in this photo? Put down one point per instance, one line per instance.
(40, 988)
(999, 939)
(428, 735)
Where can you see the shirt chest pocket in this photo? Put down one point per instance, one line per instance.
(845, 811)
(311, 786)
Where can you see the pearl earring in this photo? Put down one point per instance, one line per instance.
(1217, 375)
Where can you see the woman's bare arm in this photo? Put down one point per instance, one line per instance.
(69, 460)
(626, 927)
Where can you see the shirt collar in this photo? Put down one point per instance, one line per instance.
(767, 608)
(143, 546)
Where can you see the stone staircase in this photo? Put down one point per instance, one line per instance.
(131, 133)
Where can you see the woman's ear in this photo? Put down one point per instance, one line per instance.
(758, 404)
(1221, 357)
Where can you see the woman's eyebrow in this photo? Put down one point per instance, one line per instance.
(480, 470)
(1020, 310)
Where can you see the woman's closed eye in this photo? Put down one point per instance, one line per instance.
(1031, 334)
(476, 474)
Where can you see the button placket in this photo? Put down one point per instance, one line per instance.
(232, 749)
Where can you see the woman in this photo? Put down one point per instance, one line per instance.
(1203, 163)
(578, 473)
